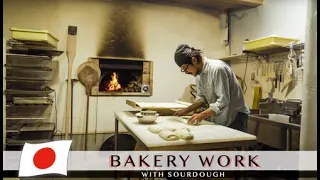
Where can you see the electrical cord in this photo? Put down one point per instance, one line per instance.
(242, 16)
(229, 22)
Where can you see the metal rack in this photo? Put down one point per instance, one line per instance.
(30, 70)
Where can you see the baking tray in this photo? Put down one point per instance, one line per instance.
(18, 141)
(30, 127)
(10, 94)
(35, 52)
(14, 127)
(42, 37)
(28, 112)
(15, 142)
(13, 43)
(32, 100)
(25, 57)
(30, 137)
(28, 67)
(29, 72)
(24, 92)
(26, 83)
(267, 43)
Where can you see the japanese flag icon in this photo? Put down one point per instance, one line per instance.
(44, 158)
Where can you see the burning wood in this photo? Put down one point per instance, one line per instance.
(113, 84)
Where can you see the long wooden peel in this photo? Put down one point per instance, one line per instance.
(71, 53)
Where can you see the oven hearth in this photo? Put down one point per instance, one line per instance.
(123, 77)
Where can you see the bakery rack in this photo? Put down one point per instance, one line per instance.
(30, 102)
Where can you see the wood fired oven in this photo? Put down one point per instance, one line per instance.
(123, 77)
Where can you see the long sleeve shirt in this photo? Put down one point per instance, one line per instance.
(218, 86)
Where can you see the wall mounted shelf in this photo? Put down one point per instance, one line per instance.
(219, 5)
(276, 50)
(265, 53)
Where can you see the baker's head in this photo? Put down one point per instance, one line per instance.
(188, 59)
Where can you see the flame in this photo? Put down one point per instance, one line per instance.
(113, 84)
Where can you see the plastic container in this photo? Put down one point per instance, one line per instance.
(268, 43)
(32, 100)
(34, 35)
(279, 117)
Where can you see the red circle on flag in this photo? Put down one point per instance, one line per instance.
(44, 158)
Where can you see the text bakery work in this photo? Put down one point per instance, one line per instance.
(183, 161)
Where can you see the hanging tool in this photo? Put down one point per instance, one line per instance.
(281, 75)
(257, 67)
(71, 53)
(89, 74)
(292, 59)
(276, 75)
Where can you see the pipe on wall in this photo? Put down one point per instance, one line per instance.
(308, 136)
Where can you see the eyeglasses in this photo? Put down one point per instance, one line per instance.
(185, 69)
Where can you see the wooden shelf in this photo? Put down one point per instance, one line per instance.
(267, 52)
(219, 5)
(234, 57)
(276, 50)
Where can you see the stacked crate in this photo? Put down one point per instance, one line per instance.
(30, 101)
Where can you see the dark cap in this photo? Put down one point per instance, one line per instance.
(183, 54)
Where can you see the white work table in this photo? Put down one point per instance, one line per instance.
(206, 137)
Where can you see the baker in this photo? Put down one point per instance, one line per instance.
(217, 86)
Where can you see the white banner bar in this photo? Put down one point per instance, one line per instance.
(180, 160)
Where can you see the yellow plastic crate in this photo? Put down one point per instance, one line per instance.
(268, 43)
(34, 35)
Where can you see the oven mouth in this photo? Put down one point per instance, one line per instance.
(123, 77)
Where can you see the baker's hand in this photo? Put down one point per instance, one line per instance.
(182, 112)
(195, 119)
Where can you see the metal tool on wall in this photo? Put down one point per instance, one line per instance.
(71, 53)
(89, 74)
(290, 67)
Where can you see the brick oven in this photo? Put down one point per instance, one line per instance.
(123, 77)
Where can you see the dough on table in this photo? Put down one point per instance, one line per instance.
(185, 128)
(155, 129)
(168, 135)
(184, 133)
(167, 128)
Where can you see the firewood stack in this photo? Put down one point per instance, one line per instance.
(133, 86)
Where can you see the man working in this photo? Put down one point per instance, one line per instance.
(217, 86)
